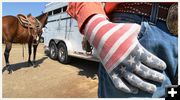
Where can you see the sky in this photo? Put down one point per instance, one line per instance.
(14, 8)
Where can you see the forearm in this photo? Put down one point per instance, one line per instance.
(81, 11)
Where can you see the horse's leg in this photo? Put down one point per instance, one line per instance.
(34, 57)
(29, 51)
(6, 55)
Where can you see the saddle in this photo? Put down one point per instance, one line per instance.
(28, 21)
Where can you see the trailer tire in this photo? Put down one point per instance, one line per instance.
(53, 50)
(63, 53)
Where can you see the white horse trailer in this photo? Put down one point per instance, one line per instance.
(62, 38)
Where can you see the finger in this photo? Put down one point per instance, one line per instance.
(148, 73)
(119, 84)
(151, 60)
(139, 83)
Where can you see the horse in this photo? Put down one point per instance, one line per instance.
(15, 32)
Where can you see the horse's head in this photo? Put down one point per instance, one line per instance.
(42, 20)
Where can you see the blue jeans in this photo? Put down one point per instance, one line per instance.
(156, 39)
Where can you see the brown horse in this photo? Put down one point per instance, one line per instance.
(14, 32)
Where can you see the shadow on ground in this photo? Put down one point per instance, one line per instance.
(20, 65)
(87, 68)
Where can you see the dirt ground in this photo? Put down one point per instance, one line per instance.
(51, 79)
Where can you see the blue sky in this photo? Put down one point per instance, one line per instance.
(14, 8)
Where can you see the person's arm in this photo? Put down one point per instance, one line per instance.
(81, 11)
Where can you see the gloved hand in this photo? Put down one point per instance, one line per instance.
(125, 60)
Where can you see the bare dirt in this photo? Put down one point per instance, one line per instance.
(51, 79)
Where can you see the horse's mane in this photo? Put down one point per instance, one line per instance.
(29, 14)
(39, 17)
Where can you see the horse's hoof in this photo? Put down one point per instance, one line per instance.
(30, 63)
(9, 70)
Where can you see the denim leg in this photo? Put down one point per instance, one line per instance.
(162, 44)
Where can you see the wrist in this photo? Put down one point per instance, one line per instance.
(92, 18)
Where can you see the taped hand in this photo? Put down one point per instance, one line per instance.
(125, 60)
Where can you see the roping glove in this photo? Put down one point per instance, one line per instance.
(125, 60)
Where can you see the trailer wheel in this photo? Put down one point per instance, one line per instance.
(53, 50)
(63, 54)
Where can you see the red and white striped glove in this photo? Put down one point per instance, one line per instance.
(122, 55)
